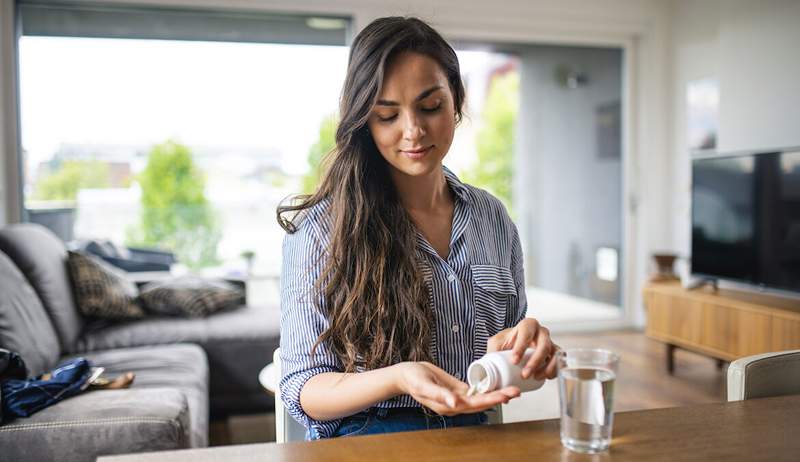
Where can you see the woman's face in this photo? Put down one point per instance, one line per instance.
(413, 121)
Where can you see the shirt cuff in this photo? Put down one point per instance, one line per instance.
(290, 388)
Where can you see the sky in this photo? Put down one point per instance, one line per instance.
(123, 91)
(80, 90)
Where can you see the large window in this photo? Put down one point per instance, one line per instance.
(171, 131)
(482, 153)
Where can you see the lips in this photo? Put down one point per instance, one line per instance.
(416, 153)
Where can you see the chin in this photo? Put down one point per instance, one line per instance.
(417, 168)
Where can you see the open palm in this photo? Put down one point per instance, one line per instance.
(446, 395)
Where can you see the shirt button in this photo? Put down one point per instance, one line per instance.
(455, 327)
(451, 277)
(458, 375)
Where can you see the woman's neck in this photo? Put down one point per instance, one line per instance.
(426, 193)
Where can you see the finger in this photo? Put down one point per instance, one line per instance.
(435, 392)
(551, 370)
(493, 344)
(448, 380)
(503, 394)
(482, 402)
(451, 382)
(500, 341)
(463, 406)
(510, 391)
(525, 334)
(436, 406)
(509, 339)
(458, 387)
(542, 348)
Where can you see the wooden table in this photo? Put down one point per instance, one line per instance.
(754, 430)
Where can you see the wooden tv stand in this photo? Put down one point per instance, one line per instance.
(723, 324)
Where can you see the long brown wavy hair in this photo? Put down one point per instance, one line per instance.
(377, 302)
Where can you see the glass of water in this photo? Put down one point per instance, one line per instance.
(586, 390)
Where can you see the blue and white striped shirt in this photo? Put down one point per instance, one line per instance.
(477, 292)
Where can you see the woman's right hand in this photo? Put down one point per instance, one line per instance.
(444, 394)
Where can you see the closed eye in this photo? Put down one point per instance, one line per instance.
(432, 109)
(423, 109)
(387, 119)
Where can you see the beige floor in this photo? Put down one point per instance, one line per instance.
(556, 308)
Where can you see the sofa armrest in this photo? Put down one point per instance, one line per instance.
(100, 422)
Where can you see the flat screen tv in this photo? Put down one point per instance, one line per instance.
(746, 219)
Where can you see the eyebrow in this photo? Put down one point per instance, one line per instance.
(423, 95)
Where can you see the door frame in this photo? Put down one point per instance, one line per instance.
(629, 293)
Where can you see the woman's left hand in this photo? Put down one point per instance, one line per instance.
(528, 333)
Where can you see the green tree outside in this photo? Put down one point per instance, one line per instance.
(72, 176)
(175, 213)
(495, 140)
(316, 154)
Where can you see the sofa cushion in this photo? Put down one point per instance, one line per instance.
(238, 344)
(183, 367)
(100, 290)
(190, 296)
(42, 258)
(24, 325)
(100, 422)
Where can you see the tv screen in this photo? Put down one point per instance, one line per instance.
(746, 219)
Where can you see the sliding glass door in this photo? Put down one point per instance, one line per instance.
(545, 136)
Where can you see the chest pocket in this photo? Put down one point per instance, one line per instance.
(494, 296)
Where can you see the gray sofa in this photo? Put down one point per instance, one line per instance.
(187, 370)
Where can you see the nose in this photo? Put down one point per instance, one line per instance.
(413, 128)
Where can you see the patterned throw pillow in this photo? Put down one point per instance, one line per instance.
(101, 291)
(190, 296)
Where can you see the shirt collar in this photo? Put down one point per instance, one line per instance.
(456, 185)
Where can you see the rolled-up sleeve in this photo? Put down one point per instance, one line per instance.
(518, 273)
(302, 321)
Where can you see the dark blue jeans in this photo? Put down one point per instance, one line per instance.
(380, 420)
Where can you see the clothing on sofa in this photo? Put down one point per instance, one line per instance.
(11, 367)
(22, 397)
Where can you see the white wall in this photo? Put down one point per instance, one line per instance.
(641, 25)
(751, 48)
(759, 68)
(571, 202)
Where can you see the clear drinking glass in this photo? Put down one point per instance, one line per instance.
(586, 390)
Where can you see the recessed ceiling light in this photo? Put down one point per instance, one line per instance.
(326, 23)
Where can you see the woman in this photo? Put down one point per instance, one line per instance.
(396, 275)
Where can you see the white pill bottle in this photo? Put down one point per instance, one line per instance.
(495, 371)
